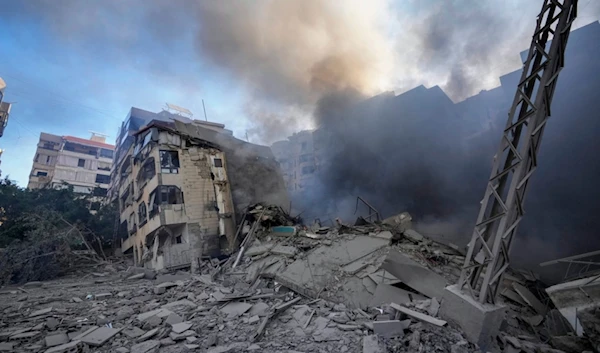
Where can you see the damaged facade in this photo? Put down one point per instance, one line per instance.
(179, 185)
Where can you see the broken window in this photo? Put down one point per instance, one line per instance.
(147, 171)
(106, 153)
(142, 215)
(103, 166)
(81, 163)
(153, 203)
(98, 191)
(169, 162)
(170, 195)
(178, 240)
(102, 179)
(131, 223)
(218, 162)
(41, 174)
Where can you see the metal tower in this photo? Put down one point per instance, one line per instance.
(516, 159)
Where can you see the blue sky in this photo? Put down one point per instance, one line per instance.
(74, 66)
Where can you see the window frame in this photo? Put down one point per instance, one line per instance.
(169, 165)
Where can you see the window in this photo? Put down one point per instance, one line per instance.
(103, 166)
(169, 162)
(304, 146)
(177, 240)
(147, 171)
(218, 163)
(308, 170)
(47, 159)
(142, 216)
(37, 156)
(81, 163)
(99, 191)
(170, 195)
(106, 153)
(48, 145)
(102, 179)
(41, 174)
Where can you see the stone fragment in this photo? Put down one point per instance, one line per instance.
(124, 313)
(181, 327)
(136, 276)
(413, 235)
(434, 307)
(76, 300)
(390, 328)
(180, 305)
(52, 323)
(181, 336)
(191, 339)
(99, 336)
(133, 332)
(146, 347)
(64, 348)
(253, 319)
(122, 350)
(148, 335)
(173, 319)
(160, 290)
(167, 342)
(253, 347)
(235, 309)
(259, 309)
(191, 346)
(40, 312)
(56, 340)
(152, 322)
(101, 296)
(6, 346)
(84, 333)
(371, 344)
(25, 335)
(211, 340)
(33, 284)
(418, 315)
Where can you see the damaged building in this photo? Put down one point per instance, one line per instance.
(182, 185)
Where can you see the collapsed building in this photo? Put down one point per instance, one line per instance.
(181, 184)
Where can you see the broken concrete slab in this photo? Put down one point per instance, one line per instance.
(434, 307)
(369, 284)
(181, 327)
(181, 336)
(40, 312)
(51, 323)
(383, 276)
(288, 251)
(413, 235)
(529, 298)
(173, 319)
(181, 276)
(512, 295)
(84, 333)
(400, 222)
(148, 335)
(315, 271)
(56, 340)
(419, 316)
(133, 332)
(390, 328)
(182, 304)
(99, 336)
(24, 335)
(386, 234)
(371, 344)
(101, 296)
(166, 285)
(258, 250)
(157, 312)
(253, 319)
(386, 294)
(356, 266)
(259, 309)
(414, 275)
(65, 348)
(235, 309)
(6, 346)
(136, 276)
(146, 347)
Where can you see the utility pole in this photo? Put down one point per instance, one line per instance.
(514, 164)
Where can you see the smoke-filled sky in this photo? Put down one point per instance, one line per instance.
(72, 66)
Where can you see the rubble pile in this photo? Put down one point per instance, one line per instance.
(372, 288)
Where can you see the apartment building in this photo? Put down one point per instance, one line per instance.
(180, 184)
(296, 157)
(84, 164)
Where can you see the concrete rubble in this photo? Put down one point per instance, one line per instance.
(318, 289)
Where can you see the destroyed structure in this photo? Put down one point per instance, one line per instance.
(84, 164)
(183, 184)
(297, 160)
(371, 288)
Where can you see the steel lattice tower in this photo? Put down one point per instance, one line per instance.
(516, 159)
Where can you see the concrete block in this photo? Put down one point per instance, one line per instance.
(173, 319)
(102, 296)
(133, 332)
(390, 328)
(413, 235)
(148, 335)
(67, 347)
(56, 340)
(414, 274)
(146, 347)
(181, 327)
(181, 336)
(6, 346)
(40, 312)
(235, 309)
(160, 290)
(288, 251)
(479, 322)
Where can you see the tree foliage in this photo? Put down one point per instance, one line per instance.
(40, 230)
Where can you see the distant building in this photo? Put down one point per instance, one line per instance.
(297, 160)
(4, 112)
(84, 164)
(181, 183)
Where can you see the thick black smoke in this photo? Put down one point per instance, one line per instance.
(421, 153)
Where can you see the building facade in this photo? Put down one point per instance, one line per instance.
(296, 157)
(84, 164)
(4, 112)
(180, 183)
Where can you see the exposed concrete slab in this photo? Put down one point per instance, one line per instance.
(413, 235)
(419, 316)
(40, 312)
(259, 309)
(383, 276)
(181, 327)
(386, 234)
(148, 335)
(133, 332)
(573, 297)
(386, 294)
(529, 298)
(356, 266)
(6, 346)
(479, 322)
(99, 336)
(173, 319)
(311, 274)
(56, 340)
(369, 285)
(414, 275)
(85, 332)
(512, 295)
(145, 347)
(390, 328)
(400, 222)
